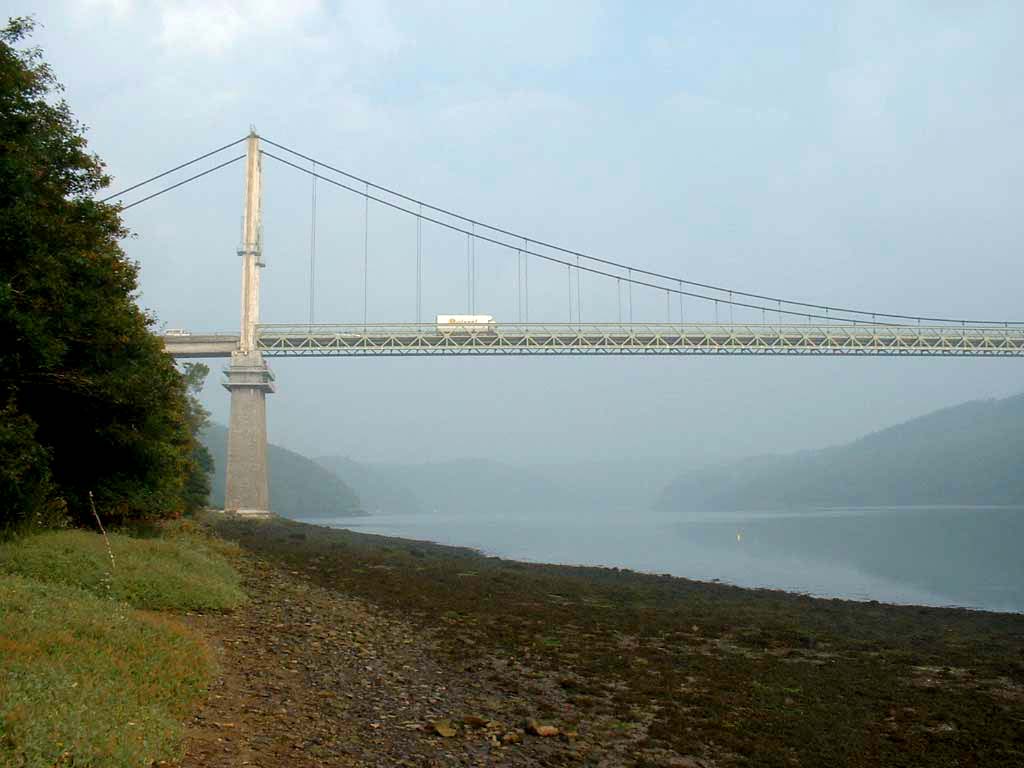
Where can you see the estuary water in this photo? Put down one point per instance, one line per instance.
(946, 556)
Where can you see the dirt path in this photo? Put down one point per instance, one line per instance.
(311, 677)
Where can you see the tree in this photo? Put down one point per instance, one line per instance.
(24, 465)
(90, 401)
(197, 484)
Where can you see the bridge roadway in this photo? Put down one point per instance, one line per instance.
(612, 339)
(200, 344)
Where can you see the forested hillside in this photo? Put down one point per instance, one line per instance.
(460, 486)
(380, 487)
(299, 487)
(479, 486)
(487, 487)
(971, 454)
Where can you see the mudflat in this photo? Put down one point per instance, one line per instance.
(362, 650)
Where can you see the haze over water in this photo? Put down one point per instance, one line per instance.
(943, 556)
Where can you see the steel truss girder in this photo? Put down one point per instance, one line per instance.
(403, 339)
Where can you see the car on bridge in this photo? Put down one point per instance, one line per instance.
(464, 323)
(177, 332)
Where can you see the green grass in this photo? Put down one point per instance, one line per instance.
(182, 571)
(87, 677)
(89, 682)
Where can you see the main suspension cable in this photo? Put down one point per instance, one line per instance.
(638, 270)
(172, 170)
(470, 235)
(183, 182)
(593, 270)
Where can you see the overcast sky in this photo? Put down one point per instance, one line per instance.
(859, 154)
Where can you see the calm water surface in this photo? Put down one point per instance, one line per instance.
(972, 557)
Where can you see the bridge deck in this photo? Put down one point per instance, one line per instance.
(201, 345)
(639, 338)
(612, 339)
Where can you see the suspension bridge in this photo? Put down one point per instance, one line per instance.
(783, 326)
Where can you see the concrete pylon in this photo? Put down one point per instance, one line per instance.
(249, 380)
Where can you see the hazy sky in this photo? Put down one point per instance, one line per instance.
(861, 154)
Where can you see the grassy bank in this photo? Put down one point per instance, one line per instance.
(90, 672)
(178, 570)
(743, 677)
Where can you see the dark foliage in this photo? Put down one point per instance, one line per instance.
(90, 401)
(197, 484)
(24, 464)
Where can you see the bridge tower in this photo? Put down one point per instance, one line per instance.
(249, 380)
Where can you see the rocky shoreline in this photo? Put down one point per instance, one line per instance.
(361, 650)
(315, 678)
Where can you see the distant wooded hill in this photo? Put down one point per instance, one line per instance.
(490, 487)
(299, 487)
(468, 485)
(381, 488)
(970, 454)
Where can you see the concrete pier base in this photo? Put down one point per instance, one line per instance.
(249, 381)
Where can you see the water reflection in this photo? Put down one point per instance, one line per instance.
(921, 555)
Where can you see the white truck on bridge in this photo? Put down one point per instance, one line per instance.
(462, 323)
